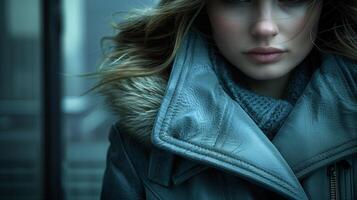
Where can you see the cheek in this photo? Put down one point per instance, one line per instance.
(225, 30)
(219, 16)
(300, 23)
(296, 26)
(303, 26)
(298, 31)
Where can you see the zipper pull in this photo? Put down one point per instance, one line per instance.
(332, 172)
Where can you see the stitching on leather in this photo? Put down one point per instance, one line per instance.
(325, 152)
(245, 162)
(220, 122)
(174, 112)
(321, 155)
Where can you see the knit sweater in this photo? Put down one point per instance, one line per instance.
(267, 112)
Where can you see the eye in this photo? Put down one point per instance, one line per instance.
(250, 2)
(293, 2)
(238, 1)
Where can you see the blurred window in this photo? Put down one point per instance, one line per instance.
(20, 100)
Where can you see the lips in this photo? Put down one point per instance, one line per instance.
(265, 54)
(265, 50)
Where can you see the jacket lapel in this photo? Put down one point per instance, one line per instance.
(199, 121)
(322, 127)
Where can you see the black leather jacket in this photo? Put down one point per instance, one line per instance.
(204, 146)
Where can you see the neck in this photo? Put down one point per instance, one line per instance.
(272, 88)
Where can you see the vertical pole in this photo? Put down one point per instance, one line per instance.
(52, 137)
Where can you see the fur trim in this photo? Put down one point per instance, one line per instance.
(136, 102)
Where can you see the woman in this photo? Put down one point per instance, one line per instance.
(229, 99)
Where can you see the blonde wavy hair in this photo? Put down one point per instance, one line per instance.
(148, 40)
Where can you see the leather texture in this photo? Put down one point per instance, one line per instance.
(204, 146)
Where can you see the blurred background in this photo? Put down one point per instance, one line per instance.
(53, 141)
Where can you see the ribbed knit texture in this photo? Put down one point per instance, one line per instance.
(268, 113)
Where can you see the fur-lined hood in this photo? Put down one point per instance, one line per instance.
(135, 102)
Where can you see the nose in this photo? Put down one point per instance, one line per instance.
(265, 27)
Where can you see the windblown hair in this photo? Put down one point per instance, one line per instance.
(338, 28)
(147, 42)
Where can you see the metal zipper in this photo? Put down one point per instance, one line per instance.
(333, 175)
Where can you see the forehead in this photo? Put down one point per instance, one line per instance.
(255, 3)
(264, 7)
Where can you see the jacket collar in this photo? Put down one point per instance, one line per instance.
(322, 126)
(198, 121)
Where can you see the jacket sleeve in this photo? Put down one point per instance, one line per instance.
(120, 181)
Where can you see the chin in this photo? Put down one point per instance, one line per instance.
(265, 76)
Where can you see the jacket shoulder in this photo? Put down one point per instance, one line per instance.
(133, 147)
(348, 69)
(347, 66)
(340, 75)
(121, 179)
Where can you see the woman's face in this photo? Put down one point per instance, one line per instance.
(240, 26)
